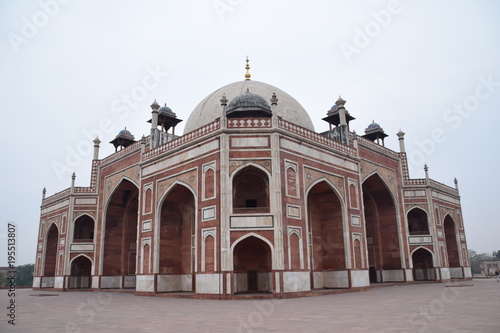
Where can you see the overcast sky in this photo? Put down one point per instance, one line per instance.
(72, 69)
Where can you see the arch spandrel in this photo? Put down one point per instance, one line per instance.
(189, 178)
(112, 182)
(387, 175)
(237, 164)
(423, 207)
(312, 177)
(91, 213)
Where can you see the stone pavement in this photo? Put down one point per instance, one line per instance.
(470, 306)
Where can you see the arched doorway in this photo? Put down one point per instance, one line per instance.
(252, 266)
(327, 253)
(423, 266)
(450, 235)
(81, 271)
(120, 238)
(177, 231)
(382, 233)
(49, 268)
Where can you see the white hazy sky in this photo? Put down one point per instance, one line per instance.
(66, 67)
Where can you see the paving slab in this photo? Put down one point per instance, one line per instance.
(470, 306)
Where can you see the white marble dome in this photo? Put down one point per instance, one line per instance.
(210, 109)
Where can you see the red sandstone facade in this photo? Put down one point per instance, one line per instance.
(250, 200)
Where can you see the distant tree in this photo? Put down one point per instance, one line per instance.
(2, 279)
(474, 260)
(24, 275)
(496, 254)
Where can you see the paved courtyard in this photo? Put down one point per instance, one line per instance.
(470, 306)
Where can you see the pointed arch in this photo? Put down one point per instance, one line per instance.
(158, 210)
(382, 230)
(359, 259)
(451, 240)
(423, 264)
(252, 259)
(82, 269)
(382, 179)
(119, 236)
(146, 257)
(253, 234)
(84, 228)
(295, 248)
(176, 232)
(50, 250)
(328, 248)
(86, 256)
(418, 221)
(246, 165)
(250, 189)
(209, 253)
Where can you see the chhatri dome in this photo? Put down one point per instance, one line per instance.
(210, 108)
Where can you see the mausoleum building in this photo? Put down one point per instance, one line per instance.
(250, 199)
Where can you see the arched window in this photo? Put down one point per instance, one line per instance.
(417, 222)
(84, 229)
(251, 191)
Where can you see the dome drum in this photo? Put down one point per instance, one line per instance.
(248, 105)
(254, 105)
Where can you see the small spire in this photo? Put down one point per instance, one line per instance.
(340, 102)
(223, 100)
(274, 99)
(247, 74)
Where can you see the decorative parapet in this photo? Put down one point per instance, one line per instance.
(443, 188)
(84, 190)
(249, 123)
(186, 138)
(416, 182)
(56, 197)
(362, 142)
(313, 136)
(133, 148)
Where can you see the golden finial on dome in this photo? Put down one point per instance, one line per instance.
(247, 74)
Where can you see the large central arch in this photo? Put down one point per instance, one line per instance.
(382, 233)
(177, 231)
(252, 265)
(327, 250)
(120, 237)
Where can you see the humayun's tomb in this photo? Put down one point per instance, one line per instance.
(250, 199)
